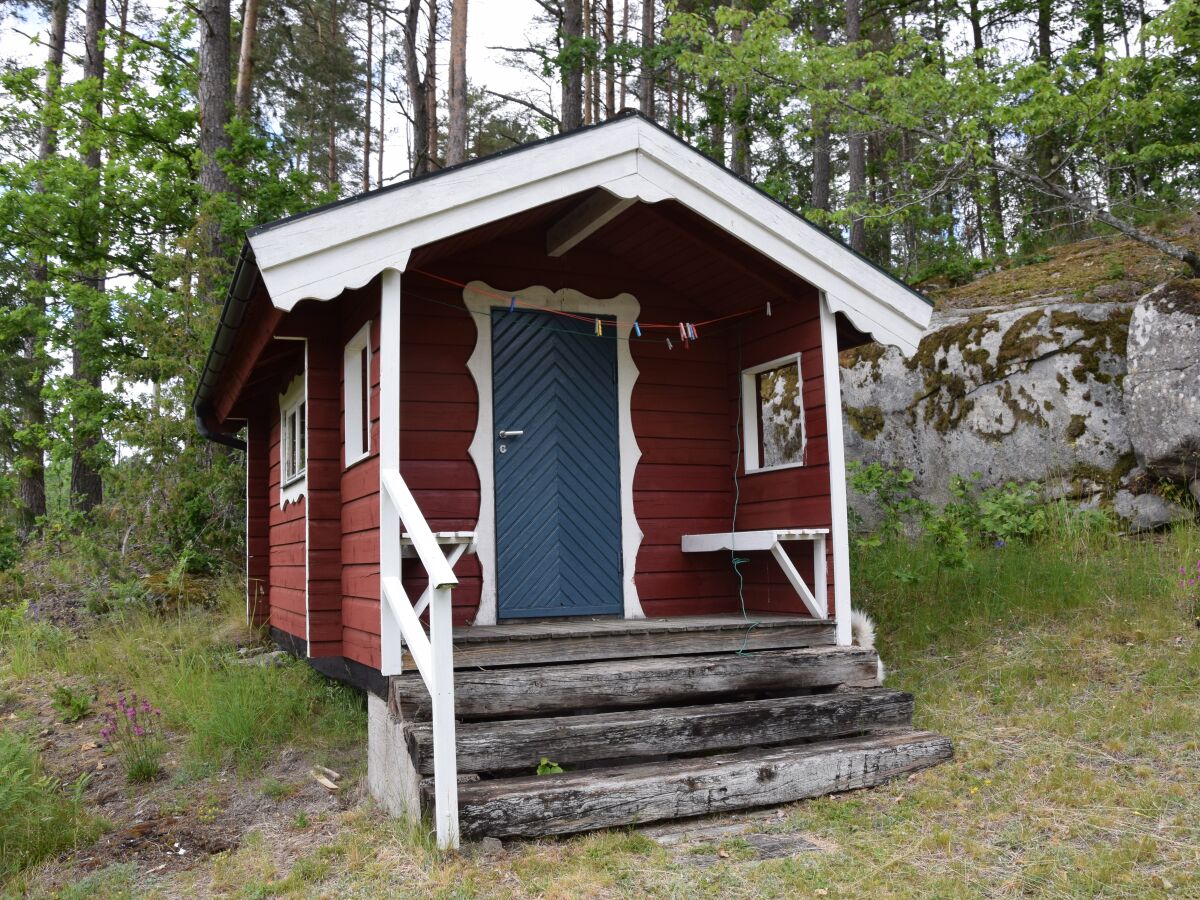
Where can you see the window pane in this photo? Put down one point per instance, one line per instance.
(289, 445)
(781, 415)
(365, 394)
(302, 428)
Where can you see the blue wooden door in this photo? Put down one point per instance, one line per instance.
(558, 503)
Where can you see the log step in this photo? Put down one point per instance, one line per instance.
(572, 640)
(624, 684)
(649, 792)
(518, 744)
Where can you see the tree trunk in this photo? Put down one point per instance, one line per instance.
(624, 41)
(995, 201)
(572, 75)
(245, 75)
(31, 465)
(588, 71)
(383, 23)
(610, 71)
(87, 490)
(821, 171)
(856, 160)
(740, 146)
(431, 42)
(456, 136)
(418, 110)
(370, 95)
(214, 116)
(646, 78)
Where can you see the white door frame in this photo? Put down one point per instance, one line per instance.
(481, 299)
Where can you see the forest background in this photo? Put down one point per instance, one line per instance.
(941, 138)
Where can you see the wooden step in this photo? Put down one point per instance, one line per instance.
(623, 684)
(518, 744)
(575, 640)
(649, 792)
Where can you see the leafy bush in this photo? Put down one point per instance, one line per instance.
(892, 491)
(38, 817)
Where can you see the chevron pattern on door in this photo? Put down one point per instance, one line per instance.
(558, 507)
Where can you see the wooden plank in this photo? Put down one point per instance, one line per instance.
(627, 646)
(655, 681)
(518, 744)
(650, 792)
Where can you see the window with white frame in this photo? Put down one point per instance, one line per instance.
(293, 438)
(773, 414)
(356, 385)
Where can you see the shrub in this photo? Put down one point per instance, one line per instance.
(892, 491)
(38, 818)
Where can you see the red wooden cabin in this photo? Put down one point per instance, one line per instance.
(596, 372)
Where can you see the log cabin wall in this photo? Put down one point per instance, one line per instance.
(360, 496)
(258, 514)
(287, 578)
(793, 497)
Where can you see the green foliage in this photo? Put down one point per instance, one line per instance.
(71, 705)
(38, 816)
(892, 491)
(546, 767)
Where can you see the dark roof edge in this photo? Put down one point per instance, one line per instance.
(237, 301)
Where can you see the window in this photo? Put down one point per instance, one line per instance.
(356, 382)
(293, 440)
(773, 414)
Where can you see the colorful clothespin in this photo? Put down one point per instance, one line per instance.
(599, 329)
(670, 346)
(691, 331)
(683, 333)
(768, 307)
(512, 302)
(637, 329)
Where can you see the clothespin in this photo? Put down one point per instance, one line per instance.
(599, 329)
(512, 302)
(637, 329)
(768, 307)
(691, 331)
(682, 333)
(670, 346)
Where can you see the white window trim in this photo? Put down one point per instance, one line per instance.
(751, 412)
(353, 394)
(291, 490)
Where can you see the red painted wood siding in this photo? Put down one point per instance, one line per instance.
(787, 498)
(360, 498)
(287, 529)
(258, 515)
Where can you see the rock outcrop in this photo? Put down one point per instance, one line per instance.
(1162, 387)
(1032, 393)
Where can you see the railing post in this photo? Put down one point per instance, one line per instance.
(445, 757)
(390, 645)
(840, 528)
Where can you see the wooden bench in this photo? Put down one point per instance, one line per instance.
(772, 540)
(459, 542)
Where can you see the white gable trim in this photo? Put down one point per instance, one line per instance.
(320, 255)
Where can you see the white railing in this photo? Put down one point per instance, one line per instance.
(433, 654)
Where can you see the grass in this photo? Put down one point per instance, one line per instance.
(185, 662)
(1067, 673)
(38, 816)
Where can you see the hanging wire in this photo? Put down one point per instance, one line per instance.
(738, 561)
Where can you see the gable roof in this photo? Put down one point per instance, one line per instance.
(322, 252)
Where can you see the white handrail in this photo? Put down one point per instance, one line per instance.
(419, 532)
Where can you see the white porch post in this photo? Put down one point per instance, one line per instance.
(389, 461)
(837, 473)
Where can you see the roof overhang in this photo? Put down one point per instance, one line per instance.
(320, 254)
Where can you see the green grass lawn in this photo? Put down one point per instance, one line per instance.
(1067, 673)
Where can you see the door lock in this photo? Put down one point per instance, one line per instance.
(510, 434)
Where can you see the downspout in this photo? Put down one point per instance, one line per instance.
(237, 301)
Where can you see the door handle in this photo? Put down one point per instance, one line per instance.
(510, 434)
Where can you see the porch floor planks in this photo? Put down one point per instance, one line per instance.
(649, 792)
(652, 681)
(518, 744)
(569, 640)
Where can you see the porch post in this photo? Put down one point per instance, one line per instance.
(840, 531)
(389, 461)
